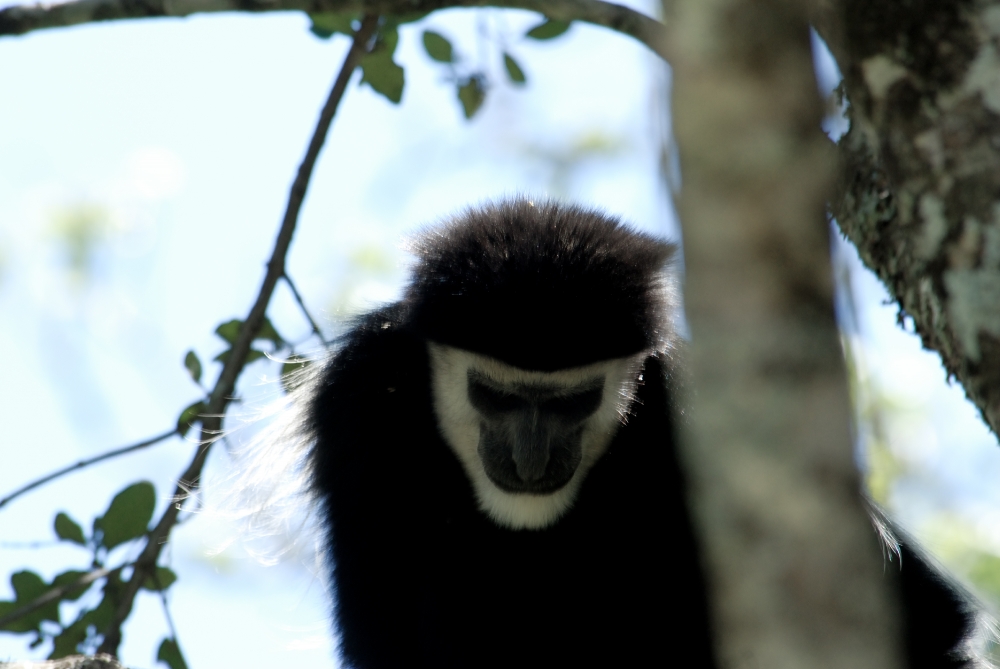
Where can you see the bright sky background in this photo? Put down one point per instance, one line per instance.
(186, 134)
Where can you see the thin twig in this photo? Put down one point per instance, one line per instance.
(302, 306)
(56, 594)
(86, 463)
(166, 608)
(211, 420)
(29, 545)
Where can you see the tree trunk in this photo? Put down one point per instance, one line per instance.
(794, 566)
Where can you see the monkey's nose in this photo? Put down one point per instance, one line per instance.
(530, 454)
(531, 469)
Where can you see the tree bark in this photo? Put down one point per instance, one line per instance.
(793, 563)
(919, 193)
(72, 662)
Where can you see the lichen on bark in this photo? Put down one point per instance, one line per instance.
(919, 192)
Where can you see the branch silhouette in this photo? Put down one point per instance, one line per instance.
(21, 19)
(305, 311)
(86, 463)
(211, 419)
(56, 594)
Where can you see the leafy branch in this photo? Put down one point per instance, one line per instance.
(211, 419)
(373, 46)
(56, 594)
(21, 19)
(35, 609)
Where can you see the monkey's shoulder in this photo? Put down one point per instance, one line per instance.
(375, 441)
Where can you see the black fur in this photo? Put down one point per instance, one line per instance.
(422, 578)
(540, 287)
(939, 615)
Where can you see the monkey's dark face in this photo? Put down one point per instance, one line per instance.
(525, 438)
(530, 434)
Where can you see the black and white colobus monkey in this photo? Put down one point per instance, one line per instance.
(495, 458)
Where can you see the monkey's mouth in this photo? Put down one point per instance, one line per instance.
(537, 467)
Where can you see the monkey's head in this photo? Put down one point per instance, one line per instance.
(538, 319)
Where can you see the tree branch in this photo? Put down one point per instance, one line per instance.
(21, 19)
(166, 608)
(305, 311)
(919, 190)
(56, 594)
(85, 463)
(211, 421)
(102, 661)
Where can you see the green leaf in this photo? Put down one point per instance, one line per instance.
(128, 516)
(230, 330)
(471, 94)
(514, 70)
(65, 579)
(102, 615)
(170, 654)
(89, 622)
(405, 17)
(164, 579)
(380, 71)
(193, 365)
(292, 374)
(385, 77)
(28, 586)
(325, 24)
(68, 530)
(190, 416)
(23, 625)
(437, 47)
(268, 332)
(252, 354)
(68, 641)
(548, 29)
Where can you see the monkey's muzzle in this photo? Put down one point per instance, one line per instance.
(528, 452)
(530, 436)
